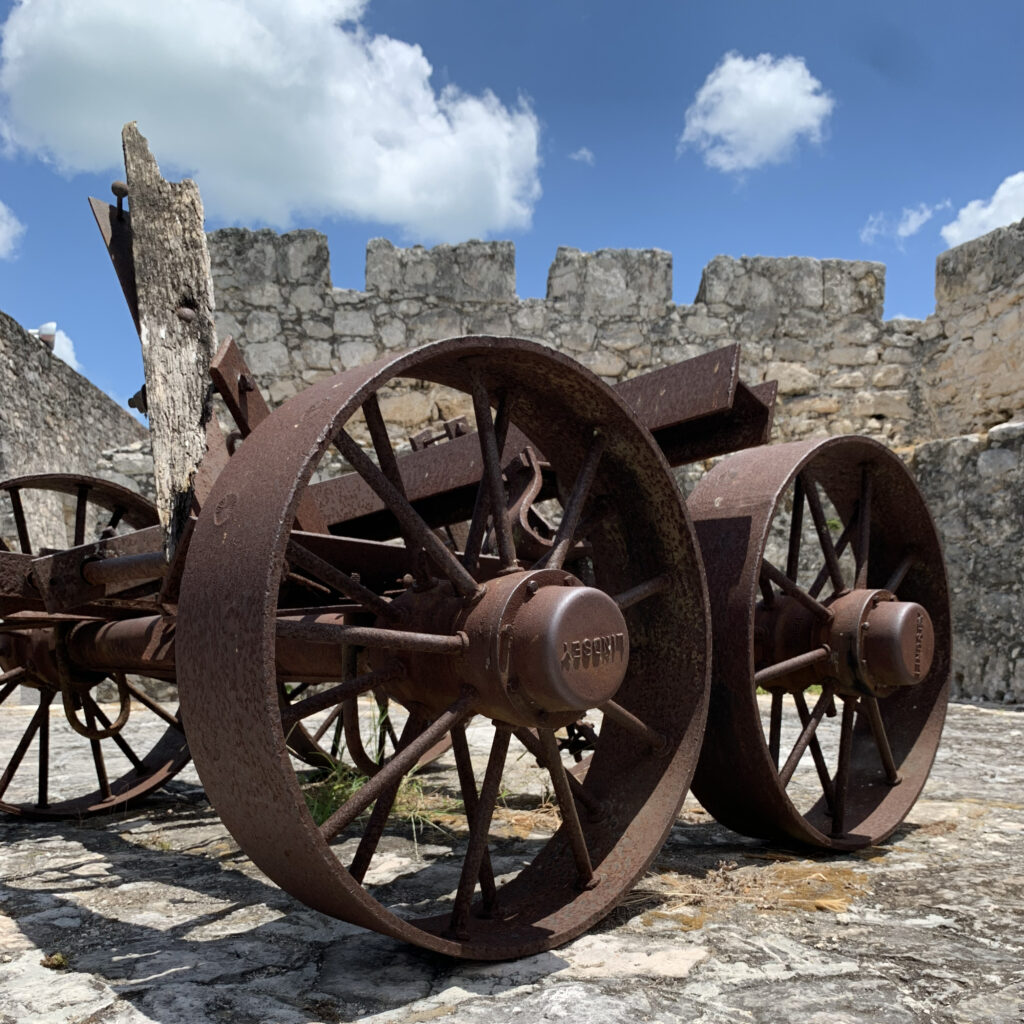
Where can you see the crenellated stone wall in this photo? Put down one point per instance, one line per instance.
(946, 392)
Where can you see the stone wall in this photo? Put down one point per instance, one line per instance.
(934, 389)
(51, 417)
(973, 375)
(974, 485)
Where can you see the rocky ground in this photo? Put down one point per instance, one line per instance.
(155, 916)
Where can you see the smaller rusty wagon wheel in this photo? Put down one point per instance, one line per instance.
(131, 748)
(525, 645)
(831, 642)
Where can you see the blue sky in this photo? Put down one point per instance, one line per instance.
(883, 131)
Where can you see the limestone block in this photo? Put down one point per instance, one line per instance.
(411, 409)
(489, 322)
(355, 353)
(349, 322)
(435, 324)
(853, 287)
(305, 259)
(606, 290)
(1006, 433)
(452, 404)
(1000, 302)
(227, 325)
(998, 462)
(392, 333)
(472, 271)
(261, 326)
(314, 327)
(793, 378)
(528, 318)
(306, 299)
(970, 271)
(316, 355)
(347, 296)
(576, 336)
(268, 359)
(603, 362)
(263, 293)
(620, 337)
(855, 379)
(889, 376)
(565, 279)
(850, 355)
(281, 390)
(791, 350)
(702, 325)
(891, 404)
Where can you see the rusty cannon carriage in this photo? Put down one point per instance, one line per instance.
(531, 566)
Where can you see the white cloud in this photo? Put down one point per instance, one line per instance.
(914, 218)
(64, 348)
(979, 217)
(279, 111)
(875, 225)
(751, 112)
(11, 230)
(583, 155)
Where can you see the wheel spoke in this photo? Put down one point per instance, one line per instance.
(482, 505)
(24, 542)
(119, 741)
(863, 529)
(900, 572)
(785, 668)
(567, 806)
(649, 588)
(892, 774)
(470, 801)
(784, 583)
(10, 682)
(307, 561)
(381, 810)
(408, 518)
(97, 753)
(339, 693)
(479, 829)
(805, 736)
(146, 701)
(43, 711)
(796, 526)
(816, 755)
(392, 772)
(388, 463)
(81, 507)
(775, 726)
(566, 533)
(43, 788)
(842, 780)
(491, 455)
(595, 809)
(618, 714)
(326, 724)
(824, 537)
(822, 578)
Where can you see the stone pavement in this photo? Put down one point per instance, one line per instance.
(155, 916)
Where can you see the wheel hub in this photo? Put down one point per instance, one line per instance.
(881, 643)
(541, 648)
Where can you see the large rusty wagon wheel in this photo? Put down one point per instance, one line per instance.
(831, 642)
(132, 750)
(528, 649)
